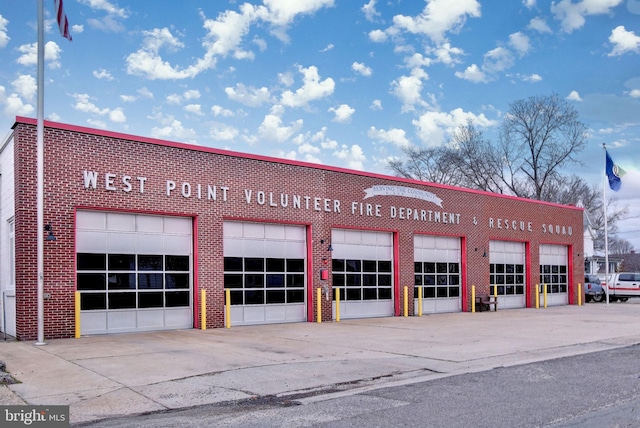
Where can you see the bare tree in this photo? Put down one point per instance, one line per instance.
(473, 156)
(619, 246)
(538, 137)
(427, 164)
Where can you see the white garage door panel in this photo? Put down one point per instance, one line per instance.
(111, 235)
(437, 250)
(272, 244)
(371, 295)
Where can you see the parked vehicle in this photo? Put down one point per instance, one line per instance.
(623, 285)
(592, 289)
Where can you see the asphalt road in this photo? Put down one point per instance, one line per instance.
(591, 390)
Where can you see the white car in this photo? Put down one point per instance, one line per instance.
(623, 285)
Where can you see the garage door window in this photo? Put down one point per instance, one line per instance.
(509, 278)
(555, 277)
(129, 281)
(257, 280)
(362, 279)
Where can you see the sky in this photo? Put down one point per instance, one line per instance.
(346, 83)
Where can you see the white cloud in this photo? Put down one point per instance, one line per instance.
(117, 115)
(283, 12)
(635, 93)
(271, 128)
(574, 96)
(224, 38)
(353, 155)
(13, 104)
(106, 6)
(498, 59)
(312, 89)
(221, 111)
(174, 99)
(175, 130)
(395, 136)
(342, 114)
(433, 128)
(222, 132)
(376, 105)
(128, 98)
(472, 74)
(361, 69)
(377, 36)
(329, 47)
(95, 123)
(25, 85)
(30, 54)
(439, 17)
(531, 78)
(194, 109)
(286, 79)
(529, 4)
(191, 94)
(417, 60)
(77, 29)
(370, 11)
(102, 74)
(623, 41)
(572, 15)
(520, 42)
(145, 93)
(4, 37)
(148, 63)
(540, 25)
(249, 96)
(85, 105)
(260, 43)
(447, 54)
(408, 89)
(108, 23)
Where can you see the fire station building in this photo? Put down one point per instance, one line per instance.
(142, 227)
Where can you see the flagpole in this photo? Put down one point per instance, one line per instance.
(40, 175)
(606, 236)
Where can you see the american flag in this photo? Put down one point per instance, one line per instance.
(61, 17)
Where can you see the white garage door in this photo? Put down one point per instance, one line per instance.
(133, 272)
(507, 273)
(554, 274)
(362, 271)
(265, 271)
(437, 271)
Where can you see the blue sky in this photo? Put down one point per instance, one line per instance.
(337, 82)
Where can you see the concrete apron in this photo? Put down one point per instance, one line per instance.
(110, 376)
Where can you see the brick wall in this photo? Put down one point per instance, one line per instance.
(70, 150)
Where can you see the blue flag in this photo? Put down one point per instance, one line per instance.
(614, 172)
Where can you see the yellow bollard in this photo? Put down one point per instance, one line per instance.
(420, 300)
(579, 294)
(545, 295)
(473, 299)
(319, 305)
(495, 291)
(77, 306)
(337, 291)
(203, 309)
(406, 301)
(537, 296)
(227, 294)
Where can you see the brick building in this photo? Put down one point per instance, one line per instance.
(142, 226)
